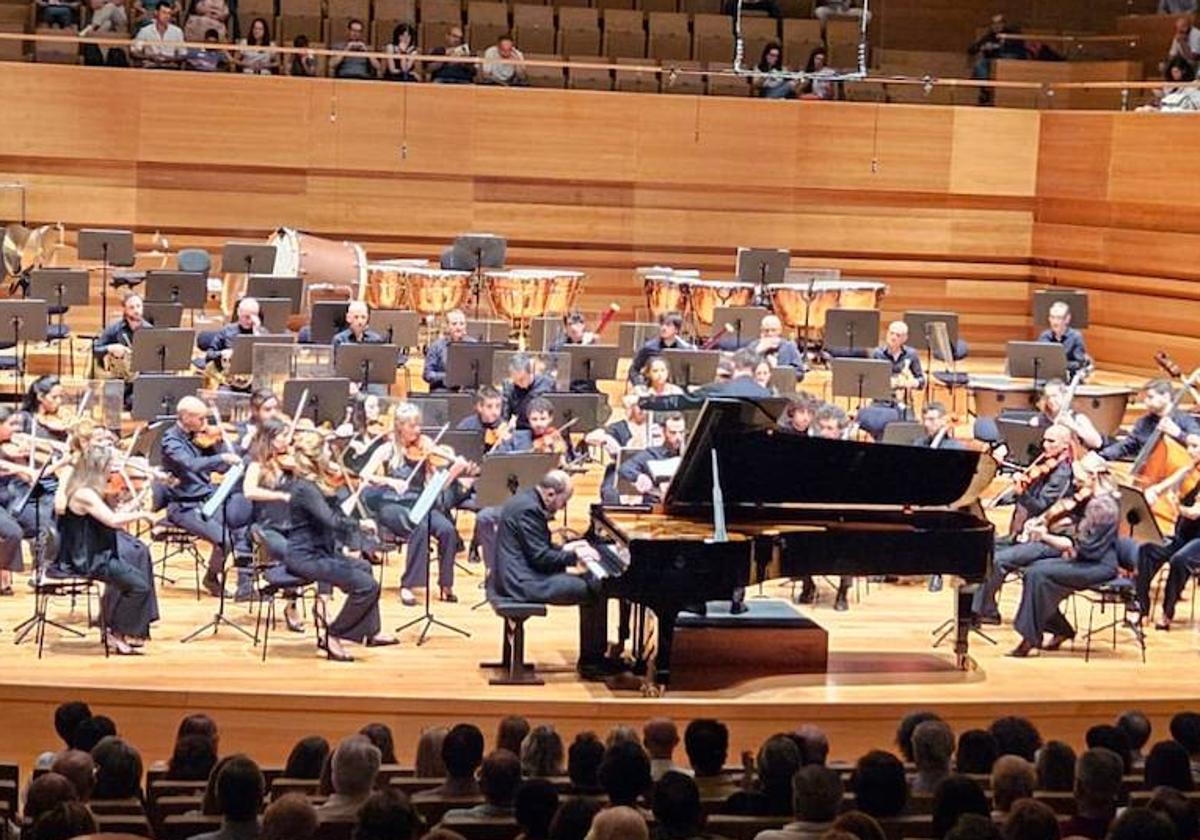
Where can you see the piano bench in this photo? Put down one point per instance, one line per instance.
(513, 668)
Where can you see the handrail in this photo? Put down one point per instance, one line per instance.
(1132, 38)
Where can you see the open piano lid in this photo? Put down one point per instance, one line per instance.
(761, 465)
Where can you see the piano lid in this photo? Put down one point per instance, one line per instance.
(759, 464)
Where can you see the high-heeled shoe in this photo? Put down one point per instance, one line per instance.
(294, 625)
(335, 655)
(121, 647)
(446, 594)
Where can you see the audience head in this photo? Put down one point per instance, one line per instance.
(1168, 764)
(1016, 736)
(91, 732)
(1137, 729)
(1013, 778)
(1141, 824)
(817, 794)
(660, 737)
(977, 752)
(260, 33)
(354, 766)
(534, 806)
(772, 57)
(817, 59)
(210, 806)
(192, 759)
(67, 718)
(583, 761)
(677, 807)
(1179, 69)
(573, 819)
(1110, 737)
(1178, 809)
(199, 724)
(859, 824)
(62, 822)
(625, 772)
(380, 735)
(1031, 820)
(953, 797)
(620, 733)
(1055, 767)
(79, 769)
(932, 746)
(462, 751)
(542, 752)
(880, 787)
(1098, 775)
(429, 763)
(1185, 728)
(307, 758)
(777, 761)
(499, 776)
(240, 789)
(513, 729)
(973, 827)
(118, 770)
(387, 815)
(813, 744)
(620, 823)
(290, 817)
(47, 792)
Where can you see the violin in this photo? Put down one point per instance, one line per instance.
(1061, 509)
(550, 441)
(59, 423)
(435, 455)
(1038, 470)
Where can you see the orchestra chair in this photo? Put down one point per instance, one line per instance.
(175, 541)
(1119, 594)
(514, 670)
(270, 591)
(50, 583)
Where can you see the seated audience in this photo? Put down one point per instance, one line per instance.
(79, 769)
(1176, 7)
(816, 799)
(706, 742)
(118, 770)
(677, 810)
(513, 729)
(542, 752)
(290, 817)
(619, 823)
(380, 734)
(813, 744)
(62, 822)
(933, 745)
(1141, 824)
(1097, 791)
(1137, 729)
(452, 72)
(154, 44)
(387, 815)
(660, 737)
(625, 773)
(860, 825)
(240, 791)
(303, 63)
(777, 761)
(353, 768)
(109, 20)
(583, 764)
(976, 753)
(1013, 778)
(534, 807)
(826, 9)
(1185, 730)
(498, 779)
(905, 729)
(59, 14)
(306, 758)
(258, 62)
(503, 64)
(955, 796)
(1168, 765)
(206, 15)
(1179, 810)
(398, 67)
(1031, 820)
(429, 762)
(67, 718)
(1016, 736)
(1110, 737)
(92, 731)
(818, 85)
(207, 60)
(879, 785)
(462, 753)
(192, 760)
(573, 819)
(353, 67)
(771, 80)
(973, 827)
(46, 793)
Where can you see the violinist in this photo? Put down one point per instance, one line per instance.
(11, 556)
(777, 350)
(191, 456)
(434, 372)
(1157, 397)
(368, 431)
(670, 325)
(318, 530)
(1182, 550)
(524, 384)
(264, 407)
(906, 374)
(1052, 409)
(1050, 479)
(486, 418)
(632, 432)
(406, 459)
(1061, 332)
(88, 547)
(44, 401)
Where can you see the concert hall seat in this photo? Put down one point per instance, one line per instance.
(657, 5)
(486, 22)
(800, 38)
(533, 27)
(624, 34)
(684, 82)
(899, 828)
(759, 32)
(545, 77)
(578, 31)
(841, 37)
(56, 52)
(400, 10)
(136, 825)
(434, 32)
(633, 81)
(360, 9)
(669, 36)
(722, 84)
(441, 11)
(291, 26)
(712, 38)
(300, 8)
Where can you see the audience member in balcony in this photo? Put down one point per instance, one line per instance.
(1176, 7)
(1137, 729)
(933, 746)
(777, 761)
(257, 62)
(143, 11)
(303, 63)
(826, 9)
(880, 787)
(1055, 766)
(661, 737)
(534, 807)
(816, 799)
(462, 753)
(511, 732)
(380, 734)
(499, 778)
(770, 82)
(398, 67)
(1186, 42)
(306, 758)
(583, 764)
(542, 753)
(354, 67)
(354, 767)
(1013, 778)
(109, 20)
(118, 770)
(818, 86)
(207, 60)
(1173, 96)
(64, 821)
(60, 14)
(240, 790)
(290, 817)
(1168, 765)
(496, 68)
(154, 44)
(989, 47)
(387, 815)
(452, 72)
(206, 15)
(976, 753)
(1097, 790)
(1178, 809)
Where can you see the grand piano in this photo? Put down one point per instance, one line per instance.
(794, 506)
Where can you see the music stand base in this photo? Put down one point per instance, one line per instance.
(944, 630)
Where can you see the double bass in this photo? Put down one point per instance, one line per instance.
(1162, 456)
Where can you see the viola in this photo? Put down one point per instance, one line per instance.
(59, 423)
(1040, 469)
(424, 449)
(550, 441)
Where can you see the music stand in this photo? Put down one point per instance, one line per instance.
(488, 329)
(421, 512)
(761, 266)
(155, 395)
(241, 360)
(327, 399)
(1037, 360)
(502, 476)
(784, 379)
(1137, 518)
(274, 313)
(467, 445)
(367, 364)
(469, 364)
(746, 320)
(542, 331)
(62, 287)
(111, 247)
(161, 350)
(859, 326)
(251, 257)
(590, 362)
(189, 288)
(435, 411)
(1043, 299)
(397, 326)
(902, 432)
(1022, 439)
(862, 379)
(163, 315)
(259, 286)
(326, 319)
(920, 331)
(633, 334)
(692, 367)
(589, 411)
(22, 321)
(475, 252)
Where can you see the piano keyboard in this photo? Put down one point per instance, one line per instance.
(614, 560)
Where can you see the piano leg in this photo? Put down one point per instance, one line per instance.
(665, 621)
(963, 623)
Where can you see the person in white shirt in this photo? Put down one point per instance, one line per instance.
(152, 43)
(495, 69)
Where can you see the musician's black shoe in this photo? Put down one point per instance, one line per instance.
(807, 594)
(1022, 650)
(935, 583)
(1058, 640)
(738, 607)
(598, 670)
(447, 595)
(212, 585)
(842, 602)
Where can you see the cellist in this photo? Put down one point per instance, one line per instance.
(1161, 414)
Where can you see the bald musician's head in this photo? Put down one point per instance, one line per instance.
(1059, 316)
(771, 327)
(456, 325)
(555, 489)
(897, 334)
(1056, 439)
(357, 315)
(247, 313)
(191, 412)
(132, 308)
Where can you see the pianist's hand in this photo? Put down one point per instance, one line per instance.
(577, 569)
(585, 552)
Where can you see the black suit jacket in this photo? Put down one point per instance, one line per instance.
(528, 565)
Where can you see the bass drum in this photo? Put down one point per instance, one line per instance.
(318, 262)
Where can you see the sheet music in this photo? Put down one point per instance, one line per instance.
(433, 488)
(663, 469)
(232, 476)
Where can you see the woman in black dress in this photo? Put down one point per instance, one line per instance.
(88, 546)
(314, 551)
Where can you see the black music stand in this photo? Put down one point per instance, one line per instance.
(746, 320)
(327, 319)
(590, 362)
(692, 367)
(469, 364)
(422, 511)
(1040, 361)
(164, 315)
(861, 379)
(1022, 439)
(161, 350)
(367, 364)
(249, 257)
(241, 360)
(1043, 299)
(542, 331)
(397, 326)
(920, 337)
(274, 313)
(327, 399)
(488, 329)
(589, 411)
(62, 287)
(259, 286)
(784, 379)
(502, 476)
(111, 247)
(435, 411)
(467, 445)
(761, 266)
(474, 252)
(189, 288)
(633, 334)
(22, 321)
(860, 328)
(155, 395)
(902, 432)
